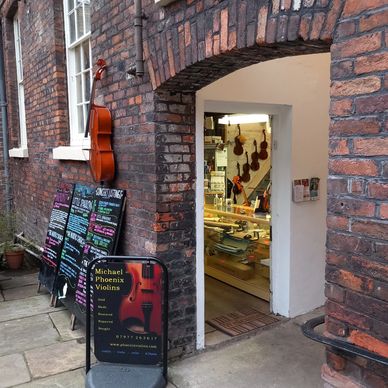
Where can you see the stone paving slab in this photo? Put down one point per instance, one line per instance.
(60, 357)
(13, 371)
(13, 281)
(28, 333)
(275, 358)
(22, 292)
(61, 320)
(72, 379)
(22, 308)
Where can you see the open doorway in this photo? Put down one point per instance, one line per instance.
(237, 223)
(259, 288)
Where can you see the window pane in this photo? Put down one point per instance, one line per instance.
(80, 111)
(72, 27)
(80, 22)
(78, 86)
(87, 17)
(70, 5)
(86, 113)
(20, 68)
(87, 86)
(77, 59)
(85, 47)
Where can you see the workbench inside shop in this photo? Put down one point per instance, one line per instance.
(237, 248)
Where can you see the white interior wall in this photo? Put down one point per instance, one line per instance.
(303, 83)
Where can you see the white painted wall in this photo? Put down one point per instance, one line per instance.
(302, 83)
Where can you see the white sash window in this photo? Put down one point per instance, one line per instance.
(21, 151)
(79, 71)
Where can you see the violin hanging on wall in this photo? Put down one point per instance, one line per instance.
(255, 165)
(238, 148)
(246, 177)
(263, 154)
(99, 125)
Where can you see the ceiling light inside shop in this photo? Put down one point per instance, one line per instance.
(244, 119)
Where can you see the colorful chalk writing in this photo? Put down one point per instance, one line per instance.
(101, 238)
(74, 243)
(55, 235)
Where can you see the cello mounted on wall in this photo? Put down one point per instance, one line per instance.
(99, 125)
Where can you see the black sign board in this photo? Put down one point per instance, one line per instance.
(55, 235)
(74, 242)
(102, 236)
(127, 311)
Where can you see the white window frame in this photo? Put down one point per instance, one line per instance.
(22, 150)
(77, 140)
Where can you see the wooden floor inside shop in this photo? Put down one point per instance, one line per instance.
(220, 298)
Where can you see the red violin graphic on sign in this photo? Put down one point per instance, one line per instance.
(141, 310)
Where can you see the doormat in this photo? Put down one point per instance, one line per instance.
(241, 322)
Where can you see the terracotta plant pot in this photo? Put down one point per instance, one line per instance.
(14, 258)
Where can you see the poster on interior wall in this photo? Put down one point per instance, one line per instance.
(314, 188)
(217, 181)
(297, 190)
(127, 317)
(306, 189)
(73, 246)
(55, 235)
(101, 239)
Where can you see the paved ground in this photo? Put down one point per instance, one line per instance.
(38, 350)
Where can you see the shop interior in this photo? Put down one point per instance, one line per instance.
(237, 222)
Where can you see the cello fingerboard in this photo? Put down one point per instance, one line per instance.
(147, 271)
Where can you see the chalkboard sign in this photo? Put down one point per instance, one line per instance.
(127, 316)
(74, 242)
(55, 235)
(101, 239)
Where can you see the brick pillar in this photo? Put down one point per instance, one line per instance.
(357, 248)
(175, 211)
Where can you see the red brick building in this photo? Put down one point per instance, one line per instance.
(49, 49)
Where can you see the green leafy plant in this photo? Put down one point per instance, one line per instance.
(7, 233)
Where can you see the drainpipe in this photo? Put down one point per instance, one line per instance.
(138, 68)
(4, 123)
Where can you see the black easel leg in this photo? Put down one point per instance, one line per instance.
(54, 301)
(72, 321)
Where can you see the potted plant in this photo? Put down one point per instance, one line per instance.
(13, 253)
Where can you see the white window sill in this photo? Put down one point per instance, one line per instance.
(70, 153)
(18, 152)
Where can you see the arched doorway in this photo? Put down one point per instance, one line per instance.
(185, 57)
(299, 137)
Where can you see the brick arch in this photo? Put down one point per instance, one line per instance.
(203, 43)
(190, 48)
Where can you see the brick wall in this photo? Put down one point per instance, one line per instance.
(357, 249)
(35, 178)
(187, 45)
